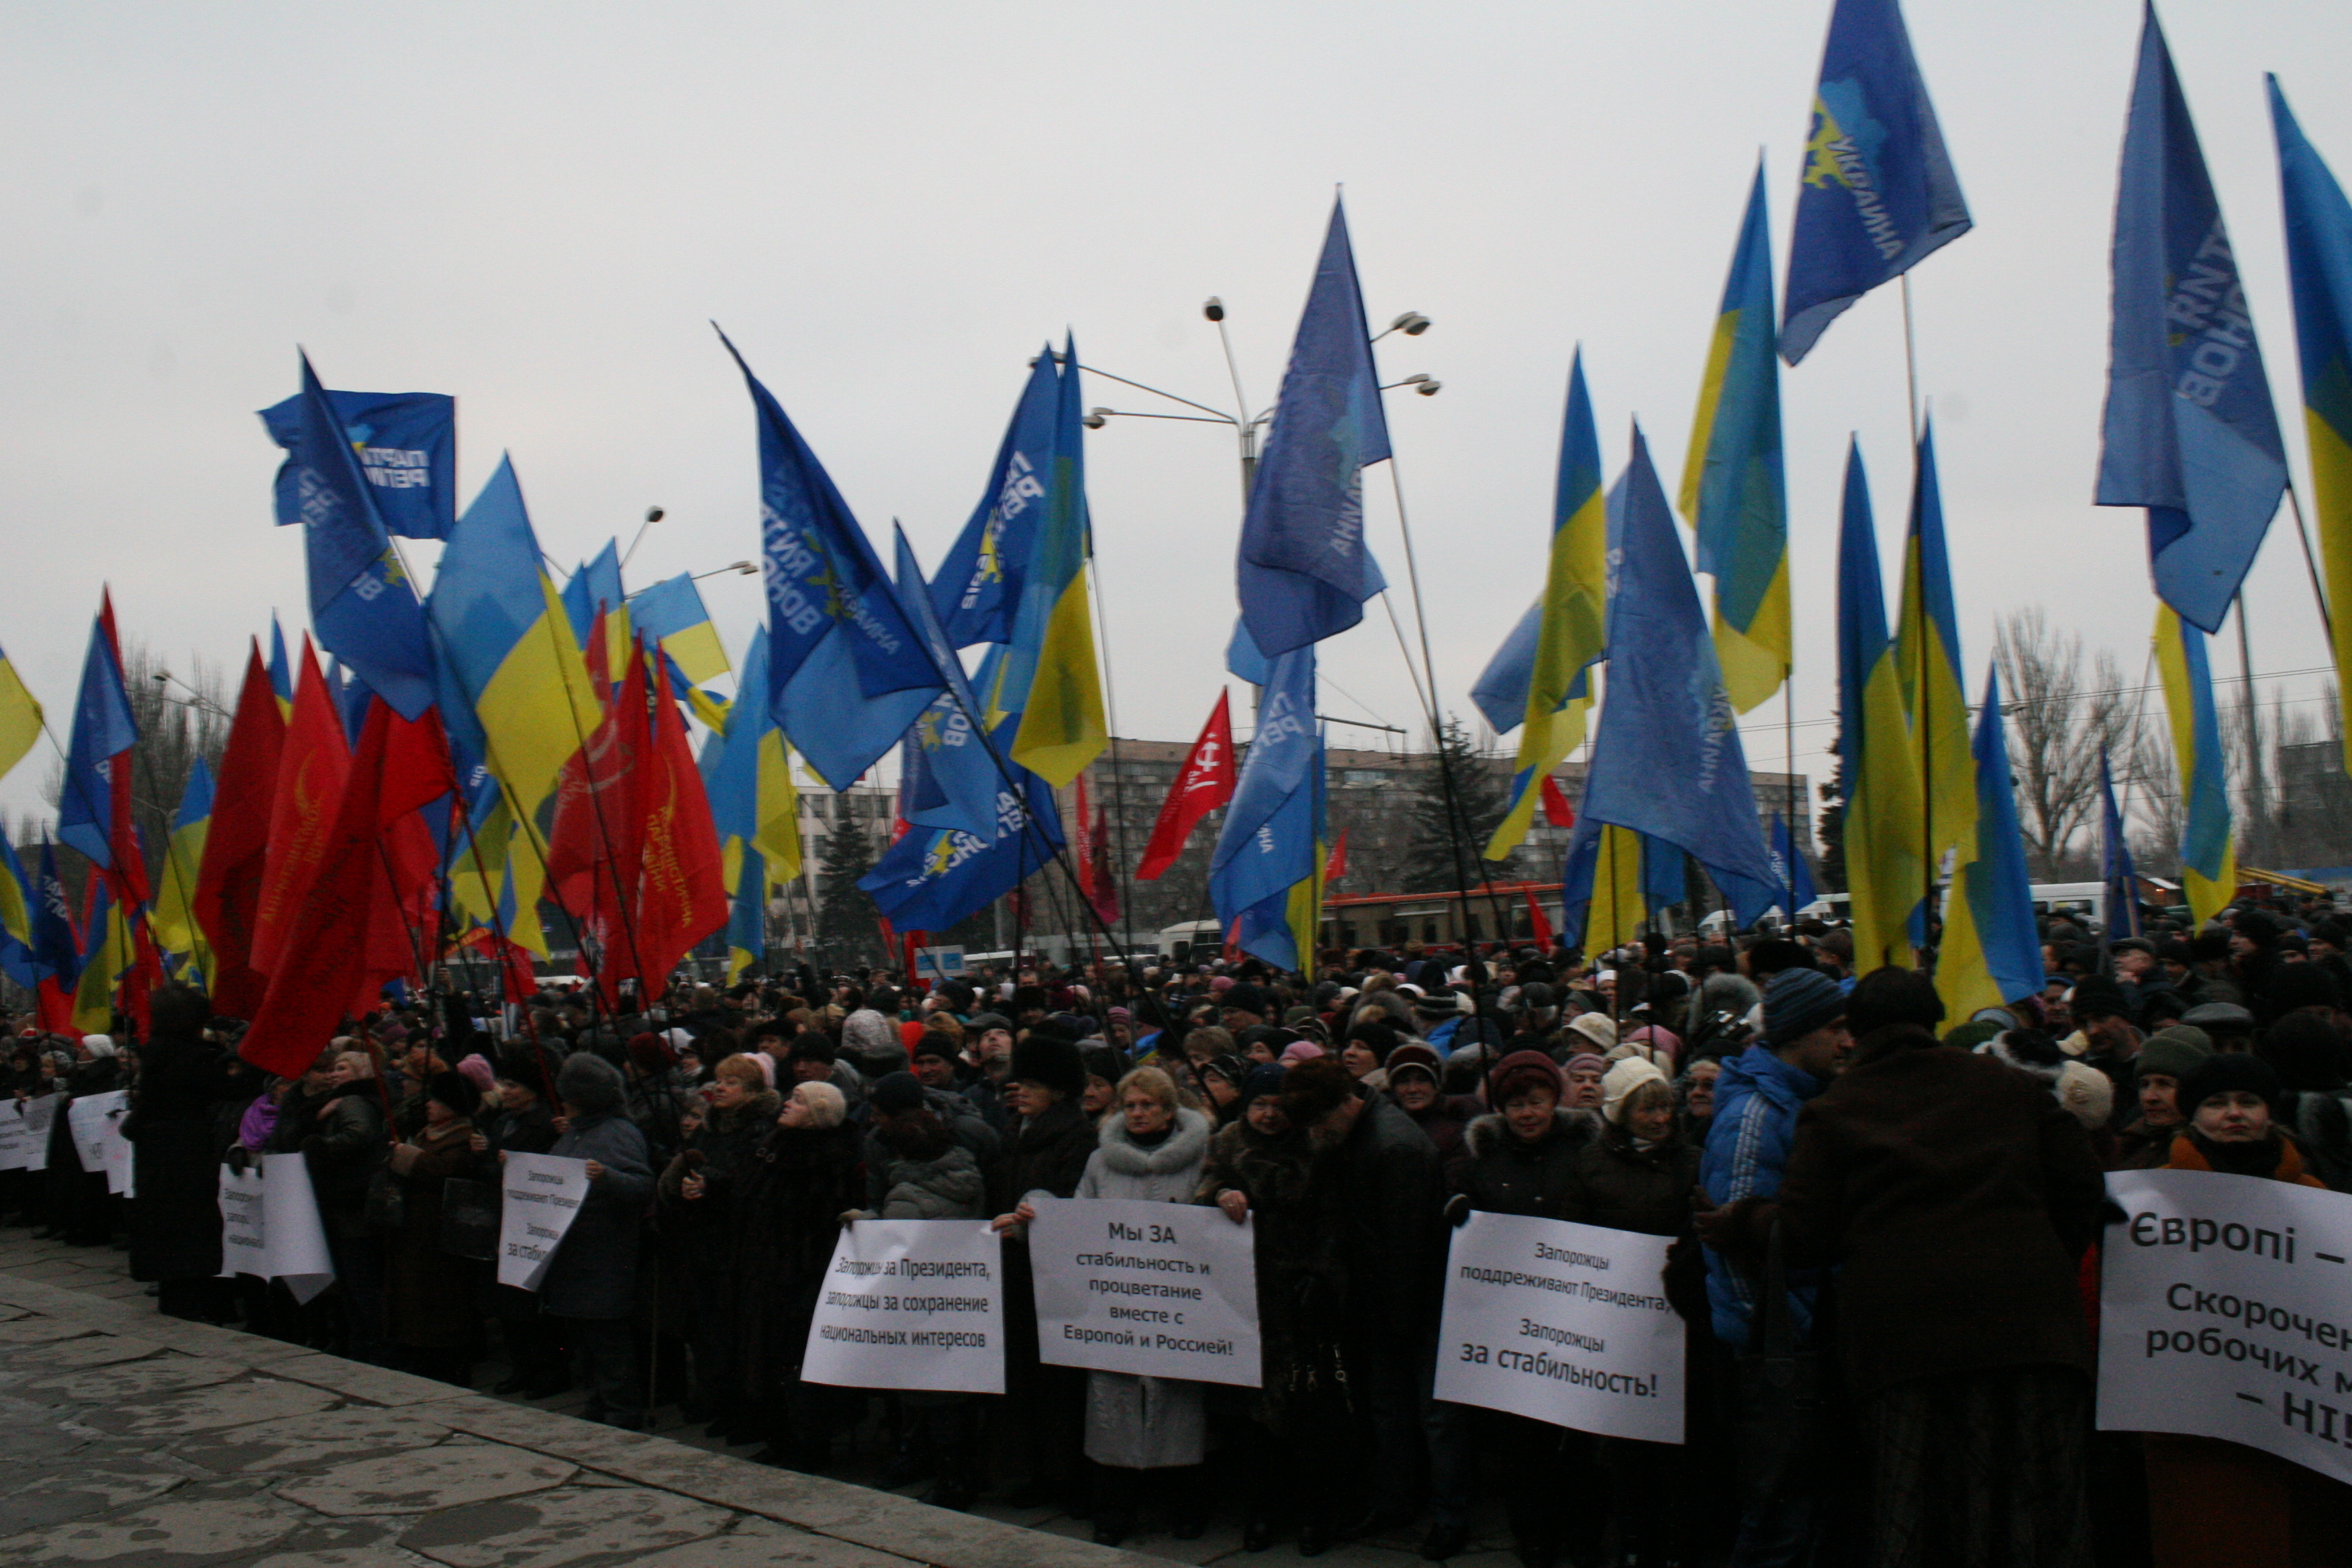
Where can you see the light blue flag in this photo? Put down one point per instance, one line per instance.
(847, 673)
(978, 591)
(949, 779)
(1267, 843)
(1667, 716)
(2191, 434)
(1998, 890)
(595, 586)
(363, 609)
(1243, 661)
(1791, 874)
(1879, 193)
(18, 960)
(1501, 692)
(2122, 883)
(730, 764)
(1306, 567)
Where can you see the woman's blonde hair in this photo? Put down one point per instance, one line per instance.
(361, 1064)
(742, 1068)
(1153, 1082)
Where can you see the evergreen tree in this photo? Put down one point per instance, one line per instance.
(1830, 827)
(1469, 812)
(846, 913)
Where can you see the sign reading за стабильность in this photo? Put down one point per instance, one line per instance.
(1565, 1323)
(2225, 1310)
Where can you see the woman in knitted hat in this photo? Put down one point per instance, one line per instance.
(2210, 1500)
(1416, 1083)
(1639, 1175)
(1519, 1160)
(428, 1293)
(1582, 1074)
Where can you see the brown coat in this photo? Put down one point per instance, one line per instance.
(429, 1293)
(1957, 1197)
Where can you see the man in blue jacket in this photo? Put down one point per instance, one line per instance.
(1756, 1104)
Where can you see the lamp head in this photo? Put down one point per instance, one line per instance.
(1214, 309)
(1412, 323)
(652, 515)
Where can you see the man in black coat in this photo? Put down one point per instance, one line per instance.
(1392, 1196)
(175, 1224)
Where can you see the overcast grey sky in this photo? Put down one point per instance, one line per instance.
(537, 208)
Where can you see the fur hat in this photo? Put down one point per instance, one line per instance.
(1054, 1062)
(1622, 1081)
(651, 1053)
(589, 1084)
(2086, 1093)
(1313, 1090)
(2097, 998)
(2222, 1073)
(457, 1091)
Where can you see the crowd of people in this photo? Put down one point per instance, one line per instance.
(1908, 1208)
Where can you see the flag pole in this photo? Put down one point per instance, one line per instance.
(2310, 563)
(1789, 786)
(1930, 860)
(2256, 793)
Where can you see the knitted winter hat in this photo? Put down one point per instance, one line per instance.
(1621, 1081)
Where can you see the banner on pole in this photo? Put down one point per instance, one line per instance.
(913, 1304)
(542, 1194)
(1153, 1289)
(2225, 1310)
(938, 963)
(271, 1227)
(1565, 1323)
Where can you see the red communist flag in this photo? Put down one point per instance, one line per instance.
(326, 945)
(1555, 809)
(1206, 784)
(681, 888)
(1335, 866)
(228, 882)
(1538, 925)
(311, 773)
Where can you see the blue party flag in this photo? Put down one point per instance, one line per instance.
(363, 609)
(2191, 434)
(1879, 193)
(2122, 882)
(847, 673)
(406, 443)
(1667, 716)
(949, 777)
(97, 749)
(56, 946)
(977, 592)
(1790, 870)
(1267, 845)
(932, 878)
(1306, 568)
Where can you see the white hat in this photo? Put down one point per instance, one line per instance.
(1621, 1081)
(99, 1045)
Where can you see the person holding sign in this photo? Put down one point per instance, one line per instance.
(1307, 1417)
(428, 1295)
(591, 1282)
(1152, 1149)
(2210, 1500)
(1523, 1160)
(1957, 1197)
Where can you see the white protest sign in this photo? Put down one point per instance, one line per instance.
(912, 1303)
(14, 1137)
(2225, 1310)
(1154, 1288)
(543, 1197)
(271, 1227)
(95, 1121)
(40, 1115)
(1565, 1323)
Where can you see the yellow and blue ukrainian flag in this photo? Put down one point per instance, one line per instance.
(1885, 875)
(1573, 630)
(2209, 851)
(1927, 668)
(2319, 265)
(1991, 955)
(1734, 495)
(172, 920)
(1062, 723)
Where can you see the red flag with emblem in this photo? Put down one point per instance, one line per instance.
(311, 772)
(1204, 784)
(681, 894)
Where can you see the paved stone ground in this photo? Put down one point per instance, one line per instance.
(140, 1441)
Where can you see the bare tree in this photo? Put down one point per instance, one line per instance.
(2061, 720)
